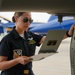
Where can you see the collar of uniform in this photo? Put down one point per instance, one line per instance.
(15, 33)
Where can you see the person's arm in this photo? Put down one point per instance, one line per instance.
(70, 32)
(5, 64)
(42, 40)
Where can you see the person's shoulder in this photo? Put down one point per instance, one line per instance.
(35, 34)
(7, 37)
(32, 33)
(29, 32)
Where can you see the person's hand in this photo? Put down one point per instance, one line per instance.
(23, 60)
(70, 32)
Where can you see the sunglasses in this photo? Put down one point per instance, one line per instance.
(26, 20)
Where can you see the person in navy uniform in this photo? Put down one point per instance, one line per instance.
(19, 45)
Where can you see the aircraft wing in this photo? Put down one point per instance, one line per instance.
(50, 6)
(5, 18)
(52, 25)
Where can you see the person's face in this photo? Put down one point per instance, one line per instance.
(23, 22)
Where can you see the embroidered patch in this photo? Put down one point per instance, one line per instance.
(31, 38)
(26, 71)
(17, 53)
(31, 41)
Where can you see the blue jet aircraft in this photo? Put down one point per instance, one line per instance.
(53, 24)
(42, 28)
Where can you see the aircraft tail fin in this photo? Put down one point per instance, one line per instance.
(52, 17)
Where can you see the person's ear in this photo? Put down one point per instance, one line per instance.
(15, 17)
